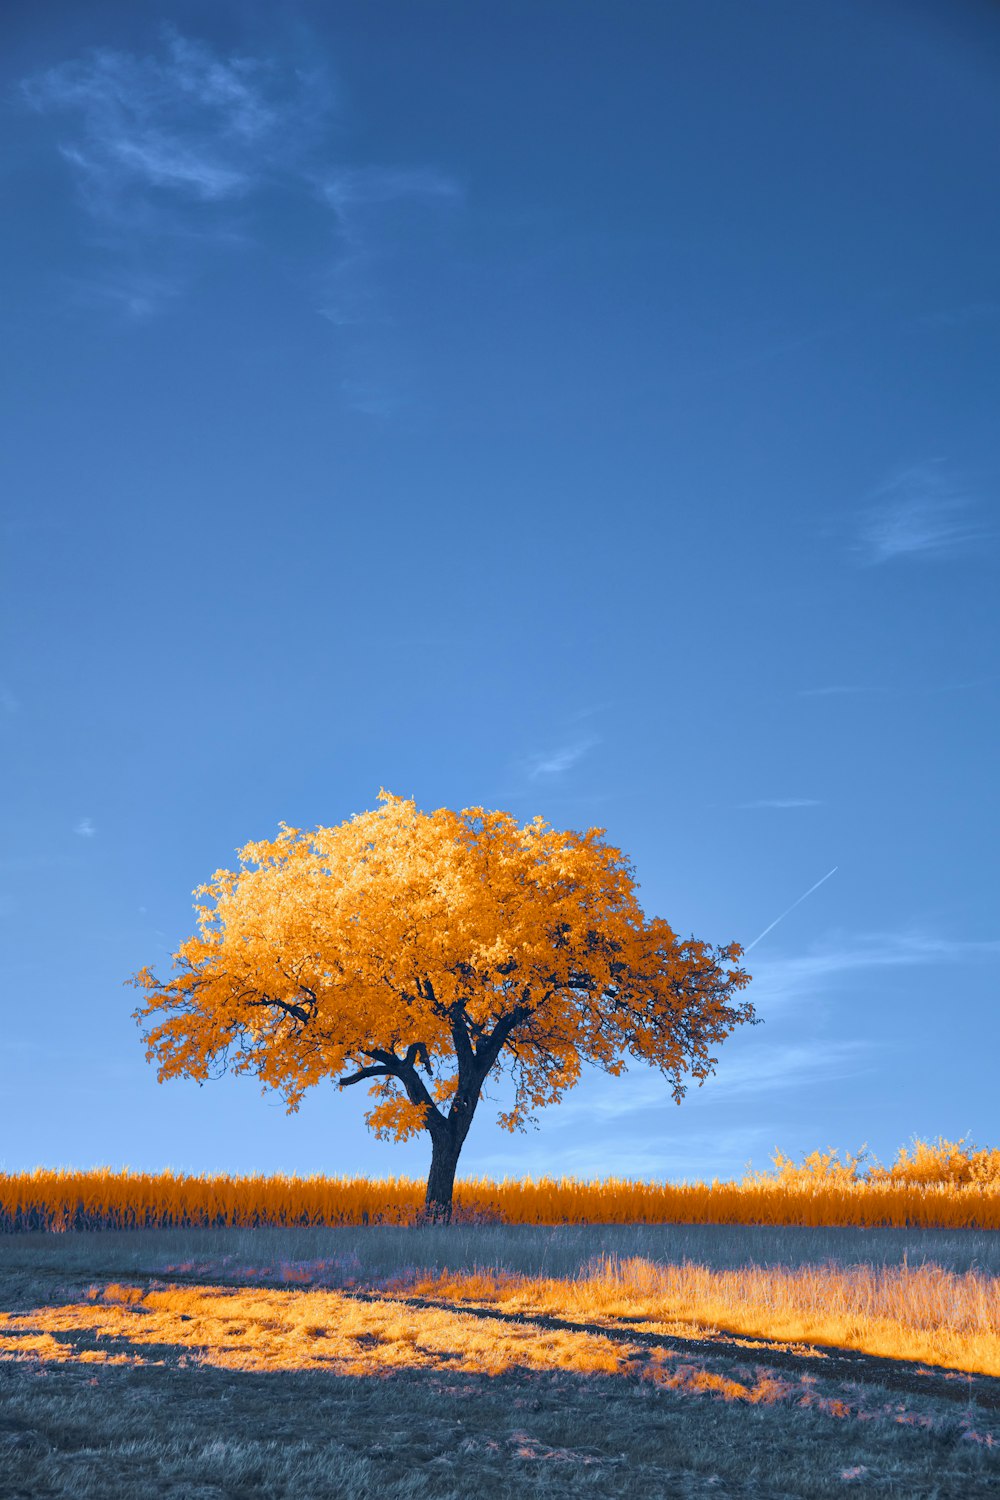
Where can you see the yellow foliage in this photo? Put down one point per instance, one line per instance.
(938, 1163)
(818, 1168)
(953, 1163)
(444, 943)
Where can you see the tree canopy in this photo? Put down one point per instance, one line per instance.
(420, 952)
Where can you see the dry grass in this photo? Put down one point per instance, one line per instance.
(504, 1361)
(922, 1313)
(260, 1329)
(943, 1184)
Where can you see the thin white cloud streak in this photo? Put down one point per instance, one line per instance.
(918, 512)
(350, 187)
(140, 296)
(781, 982)
(896, 690)
(590, 711)
(772, 925)
(165, 148)
(558, 762)
(798, 1065)
(971, 313)
(370, 400)
(161, 164)
(782, 802)
(86, 828)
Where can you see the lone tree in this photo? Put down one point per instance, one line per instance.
(448, 944)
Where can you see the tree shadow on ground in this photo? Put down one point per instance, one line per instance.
(107, 1412)
(828, 1362)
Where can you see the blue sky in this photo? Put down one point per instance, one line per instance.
(583, 410)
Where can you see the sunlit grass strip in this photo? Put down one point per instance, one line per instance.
(60, 1200)
(921, 1313)
(261, 1329)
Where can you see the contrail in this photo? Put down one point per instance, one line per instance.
(791, 908)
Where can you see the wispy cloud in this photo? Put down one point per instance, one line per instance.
(349, 188)
(167, 149)
(138, 294)
(965, 315)
(86, 828)
(762, 1071)
(783, 981)
(796, 1065)
(186, 122)
(783, 802)
(371, 400)
(897, 688)
(751, 1073)
(367, 202)
(918, 512)
(171, 153)
(557, 762)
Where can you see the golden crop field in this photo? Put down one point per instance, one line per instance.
(941, 1184)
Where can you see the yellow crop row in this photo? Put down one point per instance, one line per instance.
(962, 1191)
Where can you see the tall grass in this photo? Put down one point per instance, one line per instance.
(942, 1184)
(904, 1312)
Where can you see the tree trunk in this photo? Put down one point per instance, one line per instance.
(445, 1147)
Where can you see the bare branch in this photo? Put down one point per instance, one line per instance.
(376, 1072)
(288, 1006)
(386, 1064)
(491, 1046)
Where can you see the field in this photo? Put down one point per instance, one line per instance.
(938, 1184)
(500, 1360)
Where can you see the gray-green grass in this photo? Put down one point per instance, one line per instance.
(562, 1250)
(98, 1432)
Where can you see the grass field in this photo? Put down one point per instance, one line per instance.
(500, 1360)
(943, 1184)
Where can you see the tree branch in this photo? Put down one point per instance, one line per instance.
(491, 1046)
(377, 1072)
(386, 1064)
(417, 1053)
(288, 1006)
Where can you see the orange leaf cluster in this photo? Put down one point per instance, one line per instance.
(455, 941)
